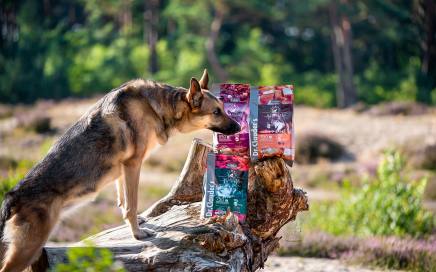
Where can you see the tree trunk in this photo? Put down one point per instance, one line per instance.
(189, 186)
(185, 242)
(211, 41)
(151, 22)
(125, 16)
(346, 94)
(426, 17)
(8, 24)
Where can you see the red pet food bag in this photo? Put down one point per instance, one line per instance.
(271, 123)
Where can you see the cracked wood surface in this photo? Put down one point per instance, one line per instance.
(185, 242)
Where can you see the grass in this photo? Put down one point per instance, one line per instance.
(16, 172)
(379, 223)
(101, 214)
(390, 204)
(90, 259)
(389, 252)
(382, 252)
(17, 169)
(154, 192)
(168, 165)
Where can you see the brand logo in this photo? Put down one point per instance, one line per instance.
(254, 141)
(209, 203)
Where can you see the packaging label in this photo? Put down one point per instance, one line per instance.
(266, 117)
(254, 123)
(225, 186)
(275, 118)
(271, 122)
(235, 98)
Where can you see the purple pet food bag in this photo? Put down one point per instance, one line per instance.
(235, 98)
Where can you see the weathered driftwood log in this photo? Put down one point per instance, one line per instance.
(185, 242)
(188, 187)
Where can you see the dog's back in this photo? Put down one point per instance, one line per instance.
(74, 167)
(109, 142)
(87, 152)
(78, 158)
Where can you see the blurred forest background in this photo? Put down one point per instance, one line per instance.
(336, 52)
(365, 87)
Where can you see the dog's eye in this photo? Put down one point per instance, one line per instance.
(217, 111)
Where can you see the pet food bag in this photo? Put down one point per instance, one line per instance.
(271, 123)
(225, 186)
(235, 98)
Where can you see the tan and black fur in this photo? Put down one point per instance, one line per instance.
(108, 143)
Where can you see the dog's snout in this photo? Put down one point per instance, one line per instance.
(232, 128)
(236, 128)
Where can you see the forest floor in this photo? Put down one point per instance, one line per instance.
(300, 264)
(364, 136)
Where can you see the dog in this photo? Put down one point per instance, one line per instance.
(108, 143)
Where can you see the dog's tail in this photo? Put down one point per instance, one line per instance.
(6, 211)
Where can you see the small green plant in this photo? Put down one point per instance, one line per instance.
(89, 259)
(388, 205)
(8, 183)
(14, 176)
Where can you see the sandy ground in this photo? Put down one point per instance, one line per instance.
(363, 135)
(298, 264)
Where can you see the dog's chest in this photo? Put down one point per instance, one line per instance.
(152, 145)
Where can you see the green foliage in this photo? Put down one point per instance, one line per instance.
(316, 90)
(378, 84)
(14, 176)
(78, 48)
(388, 205)
(89, 259)
(8, 183)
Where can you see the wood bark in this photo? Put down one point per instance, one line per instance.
(189, 185)
(341, 38)
(429, 42)
(186, 242)
(425, 19)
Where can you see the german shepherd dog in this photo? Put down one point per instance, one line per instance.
(108, 143)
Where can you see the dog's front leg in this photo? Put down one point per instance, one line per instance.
(120, 193)
(130, 178)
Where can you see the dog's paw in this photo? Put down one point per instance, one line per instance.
(143, 233)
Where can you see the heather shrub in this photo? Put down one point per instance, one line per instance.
(315, 146)
(36, 122)
(405, 108)
(423, 155)
(89, 259)
(388, 205)
(387, 252)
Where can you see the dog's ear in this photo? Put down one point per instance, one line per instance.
(204, 80)
(195, 94)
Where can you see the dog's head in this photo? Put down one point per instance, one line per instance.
(207, 111)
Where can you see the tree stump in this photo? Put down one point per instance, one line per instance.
(185, 242)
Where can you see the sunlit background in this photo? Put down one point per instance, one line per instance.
(365, 84)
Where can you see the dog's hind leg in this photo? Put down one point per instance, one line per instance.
(26, 233)
(131, 181)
